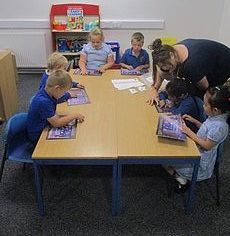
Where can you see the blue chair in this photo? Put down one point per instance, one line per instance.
(17, 145)
(216, 173)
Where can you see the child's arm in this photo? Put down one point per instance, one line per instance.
(77, 85)
(146, 63)
(206, 143)
(64, 98)
(142, 67)
(196, 122)
(82, 64)
(59, 121)
(110, 62)
(129, 67)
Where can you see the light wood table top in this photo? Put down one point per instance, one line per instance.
(96, 136)
(117, 124)
(136, 129)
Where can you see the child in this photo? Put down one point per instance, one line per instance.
(57, 61)
(136, 57)
(96, 55)
(42, 110)
(210, 134)
(181, 101)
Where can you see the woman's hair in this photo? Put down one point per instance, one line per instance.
(220, 98)
(96, 32)
(178, 87)
(59, 77)
(56, 61)
(161, 53)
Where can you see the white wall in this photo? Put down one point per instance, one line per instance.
(224, 33)
(183, 18)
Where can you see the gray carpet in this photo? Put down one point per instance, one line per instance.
(77, 199)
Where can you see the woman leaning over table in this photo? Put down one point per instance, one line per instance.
(204, 62)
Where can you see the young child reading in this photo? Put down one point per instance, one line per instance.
(178, 100)
(57, 61)
(136, 57)
(42, 110)
(96, 55)
(210, 134)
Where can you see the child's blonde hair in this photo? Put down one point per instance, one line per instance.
(96, 32)
(138, 36)
(59, 77)
(56, 61)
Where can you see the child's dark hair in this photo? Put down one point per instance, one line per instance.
(178, 87)
(161, 53)
(220, 98)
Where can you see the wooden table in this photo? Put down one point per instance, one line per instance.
(96, 140)
(119, 129)
(139, 144)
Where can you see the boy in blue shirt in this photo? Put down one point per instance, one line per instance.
(136, 57)
(57, 61)
(42, 110)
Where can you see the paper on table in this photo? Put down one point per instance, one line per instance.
(121, 84)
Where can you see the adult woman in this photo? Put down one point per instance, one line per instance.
(204, 62)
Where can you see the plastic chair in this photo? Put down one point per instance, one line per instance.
(216, 173)
(220, 151)
(17, 146)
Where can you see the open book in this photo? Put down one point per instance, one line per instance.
(78, 96)
(66, 132)
(169, 126)
(133, 72)
(89, 72)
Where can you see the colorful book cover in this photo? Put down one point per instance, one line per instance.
(75, 18)
(133, 72)
(65, 132)
(170, 126)
(89, 72)
(78, 97)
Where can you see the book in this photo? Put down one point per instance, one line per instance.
(78, 96)
(133, 72)
(89, 72)
(169, 126)
(65, 132)
(75, 18)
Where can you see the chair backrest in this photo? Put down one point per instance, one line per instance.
(15, 126)
(219, 153)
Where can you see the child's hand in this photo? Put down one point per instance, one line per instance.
(73, 93)
(101, 69)
(162, 103)
(129, 67)
(185, 129)
(80, 86)
(188, 118)
(83, 72)
(80, 118)
(139, 68)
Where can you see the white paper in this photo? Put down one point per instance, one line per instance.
(122, 84)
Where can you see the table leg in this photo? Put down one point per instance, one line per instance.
(114, 189)
(38, 186)
(118, 187)
(190, 198)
